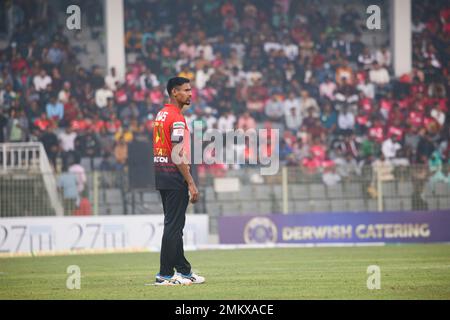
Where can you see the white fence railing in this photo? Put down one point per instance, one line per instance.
(31, 156)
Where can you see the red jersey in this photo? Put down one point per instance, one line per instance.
(169, 128)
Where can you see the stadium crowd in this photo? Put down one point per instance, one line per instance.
(273, 64)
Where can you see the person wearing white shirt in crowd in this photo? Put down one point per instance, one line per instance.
(293, 118)
(64, 94)
(80, 173)
(383, 57)
(379, 75)
(330, 177)
(346, 120)
(274, 108)
(210, 118)
(234, 77)
(272, 44)
(202, 76)
(253, 75)
(367, 88)
(290, 49)
(205, 51)
(327, 89)
(67, 139)
(307, 102)
(226, 122)
(42, 80)
(112, 79)
(102, 95)
(390, 148)
(148, 80)
(437, 114)
(347, 166)
(292, 101)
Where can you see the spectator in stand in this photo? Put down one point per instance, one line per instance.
(3, 125)
(148, 80)
(327, 89)
(33, 112)
(226, 122)
(346, 121)
(121, 153)
(328, 119)
(366, 59)
(383, 57)
(129, 112)
(210, 119)
(347, 166)
(293, 117)
(425, 146)
(380, 77)
(307, 102)
(330, 177)
(55, 109)
(67, 185)
(80, 173)
(125, 133)
(65, 93)
(246, 122)
(367, 88)
(67, 145)
(102, 95)
(17, 129)
(112, 80)
(50, 143)
(41, 80)
(257, 96)
(344, 72)
(274, 109)
(390, 148)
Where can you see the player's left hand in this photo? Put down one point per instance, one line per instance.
(193, 191)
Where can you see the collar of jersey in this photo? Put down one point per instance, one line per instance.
(169, 105)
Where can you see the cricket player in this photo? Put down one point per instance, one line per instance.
(174, 182)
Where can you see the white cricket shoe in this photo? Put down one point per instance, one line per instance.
(194, 278)
(175, 280)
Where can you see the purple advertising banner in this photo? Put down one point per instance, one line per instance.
(393, 227)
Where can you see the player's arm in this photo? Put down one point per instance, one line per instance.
(180, 159)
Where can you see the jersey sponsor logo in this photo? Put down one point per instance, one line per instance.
(161, 159)
(163, 152)
(159, 133)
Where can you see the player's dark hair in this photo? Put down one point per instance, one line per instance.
(175, 82)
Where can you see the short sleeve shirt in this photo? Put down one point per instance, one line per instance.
(169, 129)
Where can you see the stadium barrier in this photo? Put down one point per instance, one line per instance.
(69, 235)
(338, 228)
(233, 192)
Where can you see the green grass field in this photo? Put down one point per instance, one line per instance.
(407, 272)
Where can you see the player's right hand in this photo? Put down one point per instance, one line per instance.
(193, 193)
